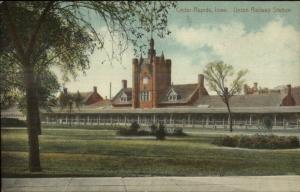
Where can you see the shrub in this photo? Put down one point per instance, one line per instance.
(153, 129)
(230, 141)
(160, 133)
(259, 141)
(267, 123)
(178, 132)
(12, 122)
(126, 132)
(143, 133)
(134, 127)
(132, 131)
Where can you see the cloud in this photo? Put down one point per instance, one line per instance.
(271, 54)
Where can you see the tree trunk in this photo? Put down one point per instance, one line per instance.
(33, 121)
(229, 116)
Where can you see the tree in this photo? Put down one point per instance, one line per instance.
(160, 133)
(217, 74)
(78, 99)
(54, 33)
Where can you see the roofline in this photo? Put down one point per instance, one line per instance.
(180, 110)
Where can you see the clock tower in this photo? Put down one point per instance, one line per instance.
(151, 78)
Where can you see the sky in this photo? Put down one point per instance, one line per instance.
(263, 37)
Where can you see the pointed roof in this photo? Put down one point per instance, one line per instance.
(185, 91)
(117, 98)
(162, 57)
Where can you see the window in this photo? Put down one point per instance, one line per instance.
(145, 96)
(145, 80)
(123, 98)
(173, 96)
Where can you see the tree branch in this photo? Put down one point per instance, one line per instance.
(32, 40)
(13, 32)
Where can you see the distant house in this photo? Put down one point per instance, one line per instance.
(87, 98)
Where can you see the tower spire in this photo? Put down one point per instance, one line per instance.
(162, 57)
(151, 51)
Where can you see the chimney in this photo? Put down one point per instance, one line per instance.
(95, 89)
(289, 89)
(124, 84)
(109, 90)
(201, 80)
(288, 100)
(65, 91)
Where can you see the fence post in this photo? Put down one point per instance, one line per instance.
(215, 127)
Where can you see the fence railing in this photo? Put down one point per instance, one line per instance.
(183, 123)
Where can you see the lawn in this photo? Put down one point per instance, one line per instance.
(92, 152)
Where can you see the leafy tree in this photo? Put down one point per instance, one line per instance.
(267, 123)
(217, 74)
(161, 133)
(78, 99)
(12, 87)
(55, 33)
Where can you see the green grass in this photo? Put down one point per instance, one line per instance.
(66, 152)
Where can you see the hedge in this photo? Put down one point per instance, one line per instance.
(259, 141)
(12, 122)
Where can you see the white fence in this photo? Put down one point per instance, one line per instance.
(183, 123)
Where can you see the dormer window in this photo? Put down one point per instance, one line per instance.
(173, 96)
(124, 98)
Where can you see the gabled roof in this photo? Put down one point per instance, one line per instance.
(102, 103)
(259, 100)
(296, 94)
(85, 95)
(117, 101)
(185, 91)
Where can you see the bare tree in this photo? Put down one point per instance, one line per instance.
(217, 75)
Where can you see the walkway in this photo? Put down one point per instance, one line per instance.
(155, 184)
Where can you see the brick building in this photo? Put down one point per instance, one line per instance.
(152, 86)
(86, 98)
(153, 98)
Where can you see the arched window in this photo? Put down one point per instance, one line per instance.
(145, 96)
(146, 80)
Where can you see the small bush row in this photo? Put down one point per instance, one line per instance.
(160, 131)
(259, 141)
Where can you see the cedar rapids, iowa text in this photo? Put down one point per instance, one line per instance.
(234, 10)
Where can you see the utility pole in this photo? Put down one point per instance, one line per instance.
(109, 90)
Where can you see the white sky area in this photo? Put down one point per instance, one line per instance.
(271, 54)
